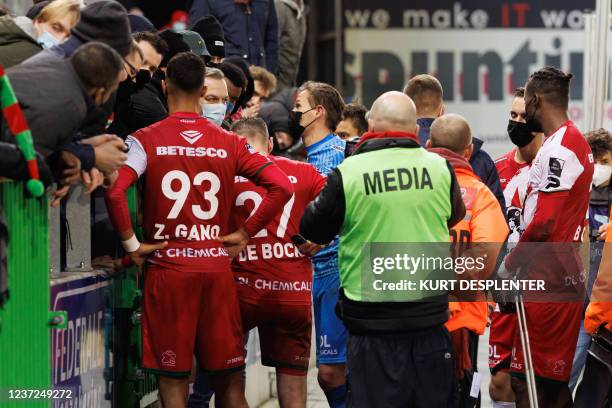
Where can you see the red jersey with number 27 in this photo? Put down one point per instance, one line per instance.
(189, 165)
(271, 269)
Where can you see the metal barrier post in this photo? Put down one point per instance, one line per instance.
(78, 217)
(55, 246)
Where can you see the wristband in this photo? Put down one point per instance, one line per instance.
(131, 245)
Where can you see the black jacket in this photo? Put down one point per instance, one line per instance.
(484, 167)
(322, 221)
(139, 110)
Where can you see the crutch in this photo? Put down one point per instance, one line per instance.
(524, 332)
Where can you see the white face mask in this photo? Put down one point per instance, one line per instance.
(215, 112)
(602, 173)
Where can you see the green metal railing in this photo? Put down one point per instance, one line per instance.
(25, 321)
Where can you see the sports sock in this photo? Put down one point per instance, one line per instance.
(502, 404)
(336, 397)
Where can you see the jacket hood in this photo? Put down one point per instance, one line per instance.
(297, 6)
(275, 111)
(477, 146)
(456, 160)
(286, 97)
(10, 33)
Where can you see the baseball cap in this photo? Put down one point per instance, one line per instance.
(195, 43)
(212, 32)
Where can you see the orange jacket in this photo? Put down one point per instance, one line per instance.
(599, 310)
(484, 222)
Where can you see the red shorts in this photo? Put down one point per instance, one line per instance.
(501, 340)
(284, 334)
(187, 313)
(553, 333)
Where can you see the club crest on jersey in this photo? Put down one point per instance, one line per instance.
(191, 136)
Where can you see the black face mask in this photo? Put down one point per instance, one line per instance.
(295, 129)
(532, 124)
(519, 133)
(143, 77)
(133, 84)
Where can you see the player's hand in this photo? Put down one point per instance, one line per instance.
(144, 250)
(92, 179)
(603, 232)
(234, 242)
(109, 179)
(58, 195)
(504, 272)
(310, 248)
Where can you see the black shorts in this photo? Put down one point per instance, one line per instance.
(401, 370)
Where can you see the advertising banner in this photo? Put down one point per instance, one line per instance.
(479, 50)
(78, 352)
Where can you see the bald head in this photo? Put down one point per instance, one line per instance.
(393, 111)
(452, 132)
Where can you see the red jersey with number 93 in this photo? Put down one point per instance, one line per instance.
(189, 165)
(271, 269)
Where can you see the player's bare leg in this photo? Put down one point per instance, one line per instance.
(173, 391)
(549, 395)
(229, 390)
(291, 390)
(500, 388)
(331, 377)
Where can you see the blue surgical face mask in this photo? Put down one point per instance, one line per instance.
(179, 26)
(215, 112)
(230, 107)
(47, 40)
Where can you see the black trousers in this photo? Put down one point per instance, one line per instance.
(595, 389)
(401, 370)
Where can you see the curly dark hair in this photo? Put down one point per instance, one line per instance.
(600, 141)
(552, 83)
(356, 113)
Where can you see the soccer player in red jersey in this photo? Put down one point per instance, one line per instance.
(513, 169)
(554, 212)
(190, 302)
(274, 277)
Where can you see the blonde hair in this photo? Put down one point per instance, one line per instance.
(57, 9)
(264, 76)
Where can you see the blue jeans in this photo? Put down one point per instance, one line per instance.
(582, 348)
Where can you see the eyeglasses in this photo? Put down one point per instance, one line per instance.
(133, 71)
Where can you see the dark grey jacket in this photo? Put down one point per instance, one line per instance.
(53, 100)
(292, 34)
